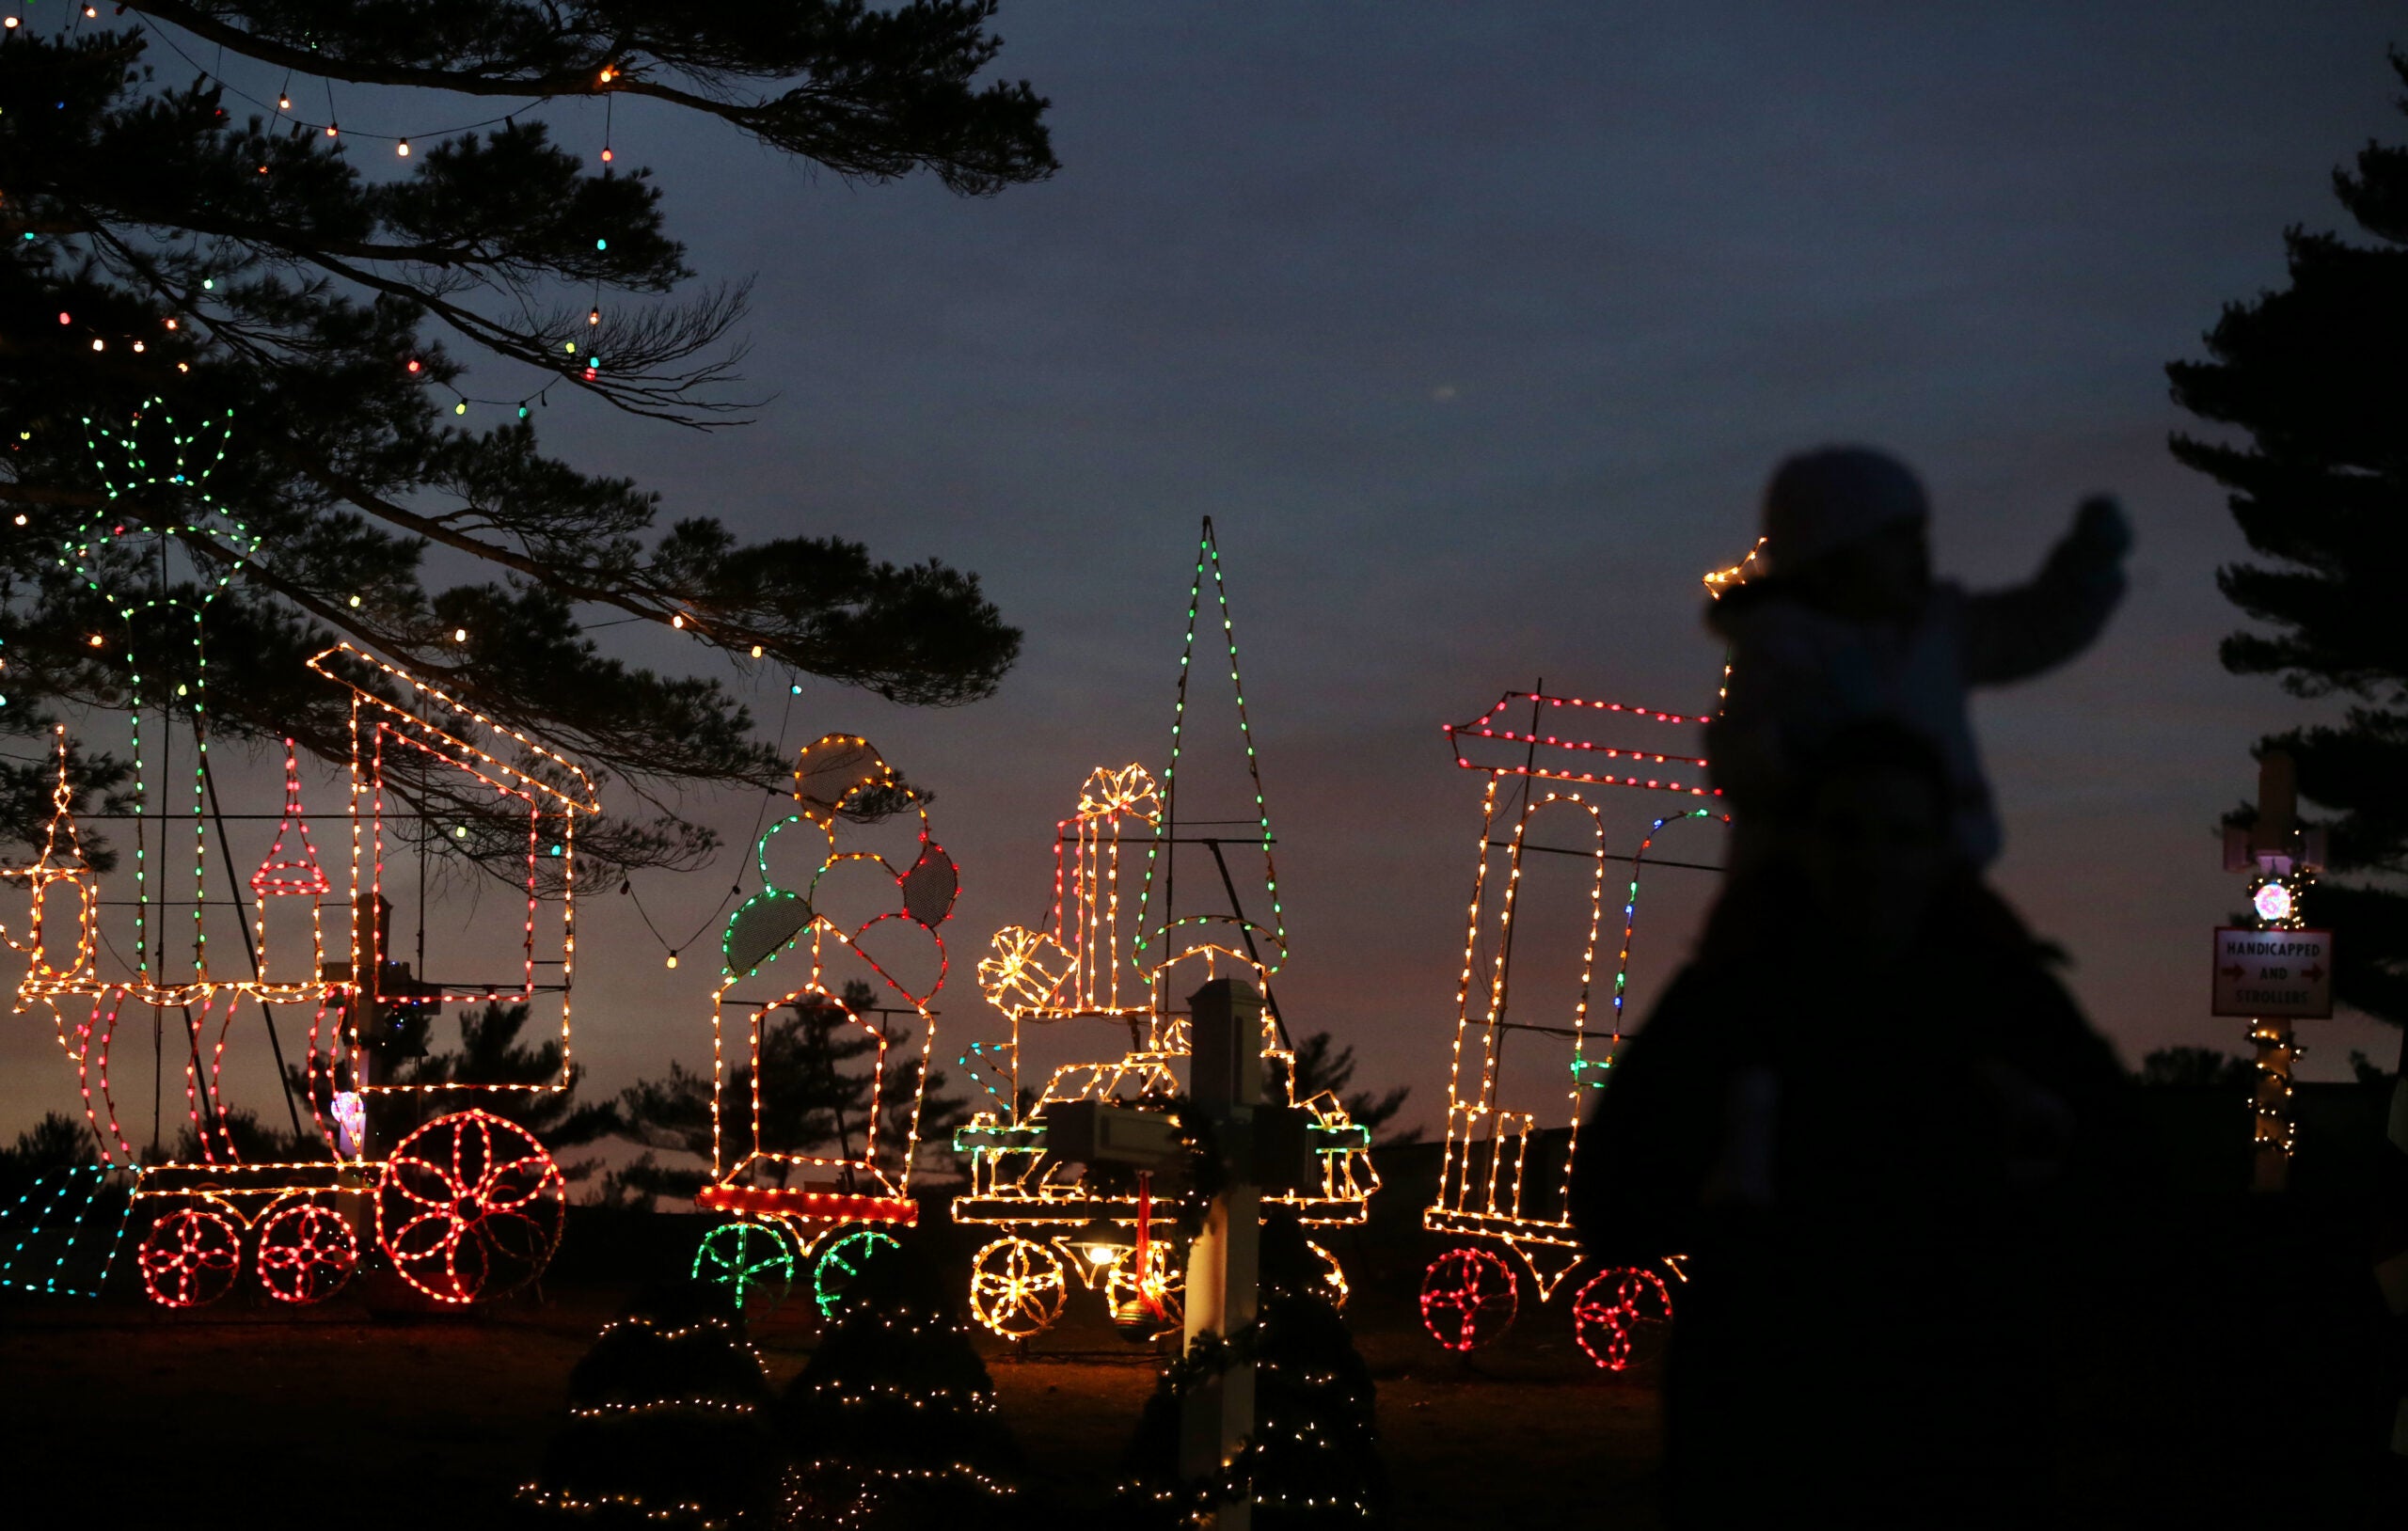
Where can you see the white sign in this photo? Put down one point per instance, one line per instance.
(2273, 972)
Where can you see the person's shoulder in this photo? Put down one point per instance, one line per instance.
(1744, 607)
(1769, 621)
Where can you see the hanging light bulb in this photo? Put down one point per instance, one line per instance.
(756, 651)
(459, 635)
(672, 960)
(605, 153)
(354, 600)
(403, 148)
(460, 408)
(332, 130)
(413, 364)
(284, 103)
(679, 622)
(594, 318)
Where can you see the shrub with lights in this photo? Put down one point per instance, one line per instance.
(1313, 1458)
(892, 1425)
(669, 1421)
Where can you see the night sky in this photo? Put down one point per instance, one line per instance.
(1477, 331)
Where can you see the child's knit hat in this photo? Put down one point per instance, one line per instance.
(1825, 499)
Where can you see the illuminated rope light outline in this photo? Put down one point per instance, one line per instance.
(828, 1292)
(1620, 1318)
(38, 1221)
(1209, 554)
(816, 1208)
(1004, 1146)
(1482, 728)
(214, 538)
(1527, 1236)
(717, 1264)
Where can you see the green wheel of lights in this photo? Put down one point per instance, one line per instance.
(754, 1260)
(840, 1262)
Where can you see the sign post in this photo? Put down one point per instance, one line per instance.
(1225, 1029)
(2276, 971)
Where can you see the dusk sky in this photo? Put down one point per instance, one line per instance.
(1477, 330)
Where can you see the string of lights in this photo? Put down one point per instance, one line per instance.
(284, 110)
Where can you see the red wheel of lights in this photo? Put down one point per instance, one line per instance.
(190, 1256)
(470, 1207)
(1619, 1317)
(1468, 1298)
(307, 1252)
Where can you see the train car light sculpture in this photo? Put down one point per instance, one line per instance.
(466, 1207)
(794, 1207)
(1065, 1162)
(1504, 1183)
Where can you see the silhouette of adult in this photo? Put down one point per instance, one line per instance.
(1866, 1109)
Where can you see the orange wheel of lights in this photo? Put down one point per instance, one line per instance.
(1468, 1298)
(190, 1256)
(1016, 1287)
(1620, 1315)
(470, 1209)
(307, 1252)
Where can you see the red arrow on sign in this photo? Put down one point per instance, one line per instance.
(2236, 971)
(2314, 974)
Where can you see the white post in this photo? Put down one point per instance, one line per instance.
(2274, 1042)
(1225, 1086)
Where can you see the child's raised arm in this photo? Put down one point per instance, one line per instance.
(2012, 635)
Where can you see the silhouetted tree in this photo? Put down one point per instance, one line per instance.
(2311, 376)
(386, 332)
(1318, 1068)
(254, 1141)
(2196, 1066)
(56, 1141)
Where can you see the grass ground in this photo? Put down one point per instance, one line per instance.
(243, 1416)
